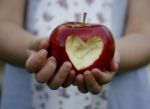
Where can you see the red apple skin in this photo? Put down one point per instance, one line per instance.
(59, 35)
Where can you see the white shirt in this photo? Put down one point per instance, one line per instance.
(43, 17)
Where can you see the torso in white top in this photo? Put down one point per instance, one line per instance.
(43, 17)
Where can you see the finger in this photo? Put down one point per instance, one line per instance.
(117, 57)
(38, 43)
(114, 66)
(60, 76)
(69, 79)
(47, 71)
(114, 63)
(30, 53)
(91, 83)
(74, 82)
(81, 84)
(36, 61)
(102, 77)
(44, 44)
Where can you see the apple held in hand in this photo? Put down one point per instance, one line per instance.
(85, 45)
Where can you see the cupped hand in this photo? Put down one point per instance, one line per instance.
(45, 68)
(92, 81)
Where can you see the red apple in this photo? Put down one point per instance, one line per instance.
(85, 45)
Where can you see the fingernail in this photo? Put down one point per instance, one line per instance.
(87, 72)
(31, 56)
(72, 72)
(43, 52)
(68, 64)
(52, 59)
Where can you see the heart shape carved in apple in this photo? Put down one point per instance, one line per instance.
(83, 54)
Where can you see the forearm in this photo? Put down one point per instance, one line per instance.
(134, 51)
(13, 43)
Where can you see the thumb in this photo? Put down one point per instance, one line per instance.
(38, 43)
(115, 61)
(36, 60)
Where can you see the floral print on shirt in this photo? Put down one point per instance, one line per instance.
(44, 16)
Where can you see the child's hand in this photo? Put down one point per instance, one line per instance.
(92, 81)
(45, 67)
